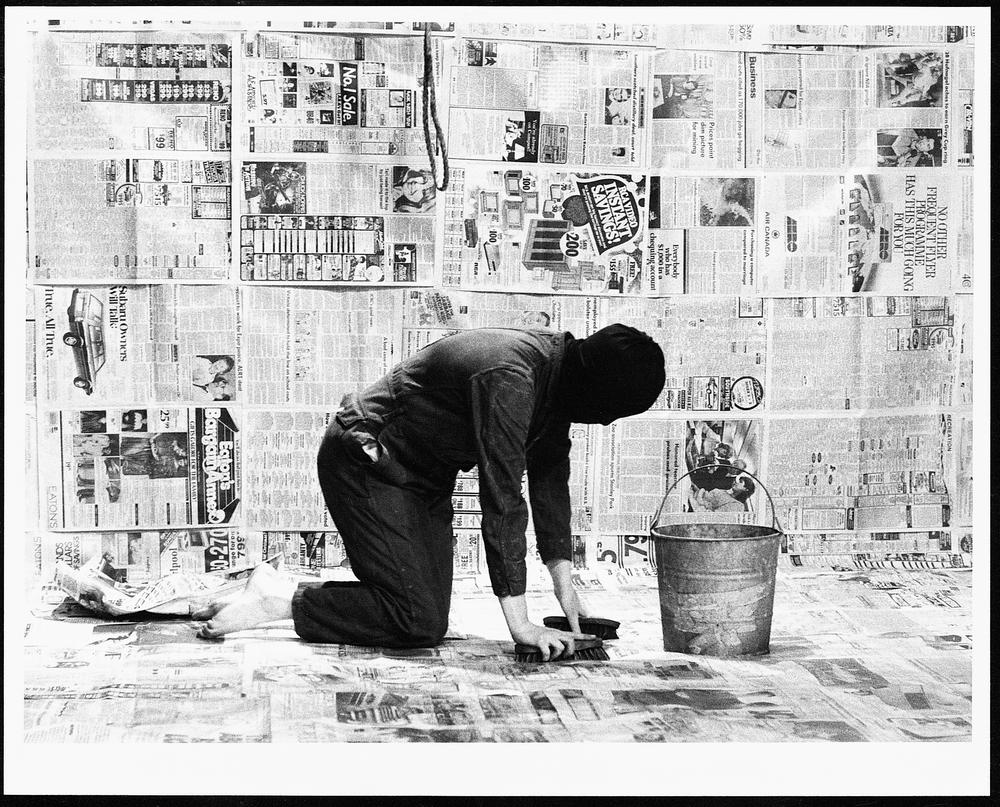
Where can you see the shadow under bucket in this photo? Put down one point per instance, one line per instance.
(716, 586)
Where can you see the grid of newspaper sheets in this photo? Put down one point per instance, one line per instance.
(250, 228)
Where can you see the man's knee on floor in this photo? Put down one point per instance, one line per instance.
(425, 630)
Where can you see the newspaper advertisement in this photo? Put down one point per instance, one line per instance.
(114, 344)
(312, 346)
(347, 223)
(885, 472)
(890, 352)
(530, 230)
(141, 467)
(702, 235)
(129, 219)
(149, 90)
(903, 232)
(142, 556)
(313, 552)
(714, 349)
(336, 94)
(526, 102)
(873, 108)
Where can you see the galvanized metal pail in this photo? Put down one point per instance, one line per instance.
(716, 583)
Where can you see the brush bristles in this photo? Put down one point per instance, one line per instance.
(585, 650)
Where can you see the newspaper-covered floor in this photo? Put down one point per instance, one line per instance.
(856, 656)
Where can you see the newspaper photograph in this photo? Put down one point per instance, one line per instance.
(141, 90)
(334, 94)
(702, 235)
(348, 223)
(530, 230)
(119, 344)
(312, 346)
(886, 472)
(143, 467)
(129, 219)
(885, 233)
(891, 352)
(525, 102)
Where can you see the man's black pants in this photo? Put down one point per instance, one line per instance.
(398, 538)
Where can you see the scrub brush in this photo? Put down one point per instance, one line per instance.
(584, 650)
(601, 628)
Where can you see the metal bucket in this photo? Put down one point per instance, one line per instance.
(716, 583)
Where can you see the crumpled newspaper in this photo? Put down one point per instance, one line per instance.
(180, 594)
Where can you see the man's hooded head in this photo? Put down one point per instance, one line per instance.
(611, 374)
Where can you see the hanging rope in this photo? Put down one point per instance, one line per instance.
(431, 116)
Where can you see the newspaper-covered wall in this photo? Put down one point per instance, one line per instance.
(786, 209)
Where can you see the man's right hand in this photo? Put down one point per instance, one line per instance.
(551, 642)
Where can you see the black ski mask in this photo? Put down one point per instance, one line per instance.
(611, 374)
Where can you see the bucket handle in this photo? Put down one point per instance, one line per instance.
(774, 512)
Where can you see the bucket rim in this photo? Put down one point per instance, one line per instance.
(768, 533)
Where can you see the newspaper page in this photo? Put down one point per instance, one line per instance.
(142, 556)
(702, 236)
(143, 90)
(892, 232)
(355, 223)
(314, 552)
(141, 467)
(129, 219)
(312, 346)
(876, 472)
(578, 31)
(927, 549)
(697, 102)
(544, 231)
(102, 345)
(891, 352)
(336, 94)
(749, 35)
(525, 102)
(433, 310)
(280, 486)
(873, 108)
(715, 349)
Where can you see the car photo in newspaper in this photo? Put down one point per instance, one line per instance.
(139, 468)
(111, 344)
(892, 232)
(129, 219)
(335, 94)
(347, 223)
(531, 230)
(526, 102)
(148, 90)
